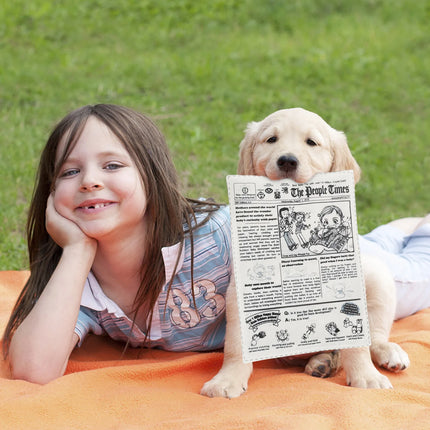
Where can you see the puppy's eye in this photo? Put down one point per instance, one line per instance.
(311, 142)
(272, 139)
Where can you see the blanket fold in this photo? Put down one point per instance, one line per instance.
(151, 389)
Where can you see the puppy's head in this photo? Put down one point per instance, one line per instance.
(295, 144)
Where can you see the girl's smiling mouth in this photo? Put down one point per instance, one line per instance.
(94, 205)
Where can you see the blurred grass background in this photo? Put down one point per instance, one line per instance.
(203, 70)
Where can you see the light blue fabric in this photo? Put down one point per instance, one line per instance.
(408, 258)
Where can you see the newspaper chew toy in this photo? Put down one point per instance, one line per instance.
(297, 265)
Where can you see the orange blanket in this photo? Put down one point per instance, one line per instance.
(160, 390)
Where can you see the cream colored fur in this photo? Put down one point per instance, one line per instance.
(296, 144)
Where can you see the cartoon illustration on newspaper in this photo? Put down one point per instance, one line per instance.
(297, 265)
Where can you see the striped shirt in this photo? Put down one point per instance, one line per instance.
(177, 324)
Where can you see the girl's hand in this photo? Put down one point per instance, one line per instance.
(64, 231)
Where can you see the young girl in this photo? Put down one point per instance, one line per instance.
(123, 252)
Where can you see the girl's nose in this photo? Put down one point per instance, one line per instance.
(93, 187)
(91, 183)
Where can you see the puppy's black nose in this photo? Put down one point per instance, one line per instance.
(288, 163)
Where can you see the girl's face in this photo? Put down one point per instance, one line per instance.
(99, 187)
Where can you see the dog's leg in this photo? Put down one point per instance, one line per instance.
(381, 303)
(232, 379)
(360, 371)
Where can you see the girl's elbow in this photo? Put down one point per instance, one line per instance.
(37, 364)
(37, 373)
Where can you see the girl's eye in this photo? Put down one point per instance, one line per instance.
(69, 172)
(272, 139)
(113, 166)
(311, 142)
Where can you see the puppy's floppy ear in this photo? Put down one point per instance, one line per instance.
(246, 150)
(342, 157)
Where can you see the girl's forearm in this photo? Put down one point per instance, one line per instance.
(41, 346)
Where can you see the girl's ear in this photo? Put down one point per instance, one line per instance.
(342, 157)
(246, 150)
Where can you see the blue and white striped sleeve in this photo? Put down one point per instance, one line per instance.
(87, 323)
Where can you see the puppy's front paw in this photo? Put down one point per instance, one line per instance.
(368, 378)
(390, 356)
(323, 365)
(229, 383)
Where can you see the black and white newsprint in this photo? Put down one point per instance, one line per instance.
(297, 265)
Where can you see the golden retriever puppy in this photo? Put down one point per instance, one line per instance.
(297, 144)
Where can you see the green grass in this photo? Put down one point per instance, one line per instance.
(204, 69)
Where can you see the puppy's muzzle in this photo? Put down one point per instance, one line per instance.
(287, 163)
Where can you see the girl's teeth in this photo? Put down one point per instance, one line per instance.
(97, 206)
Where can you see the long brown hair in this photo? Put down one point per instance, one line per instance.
(167, 209)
